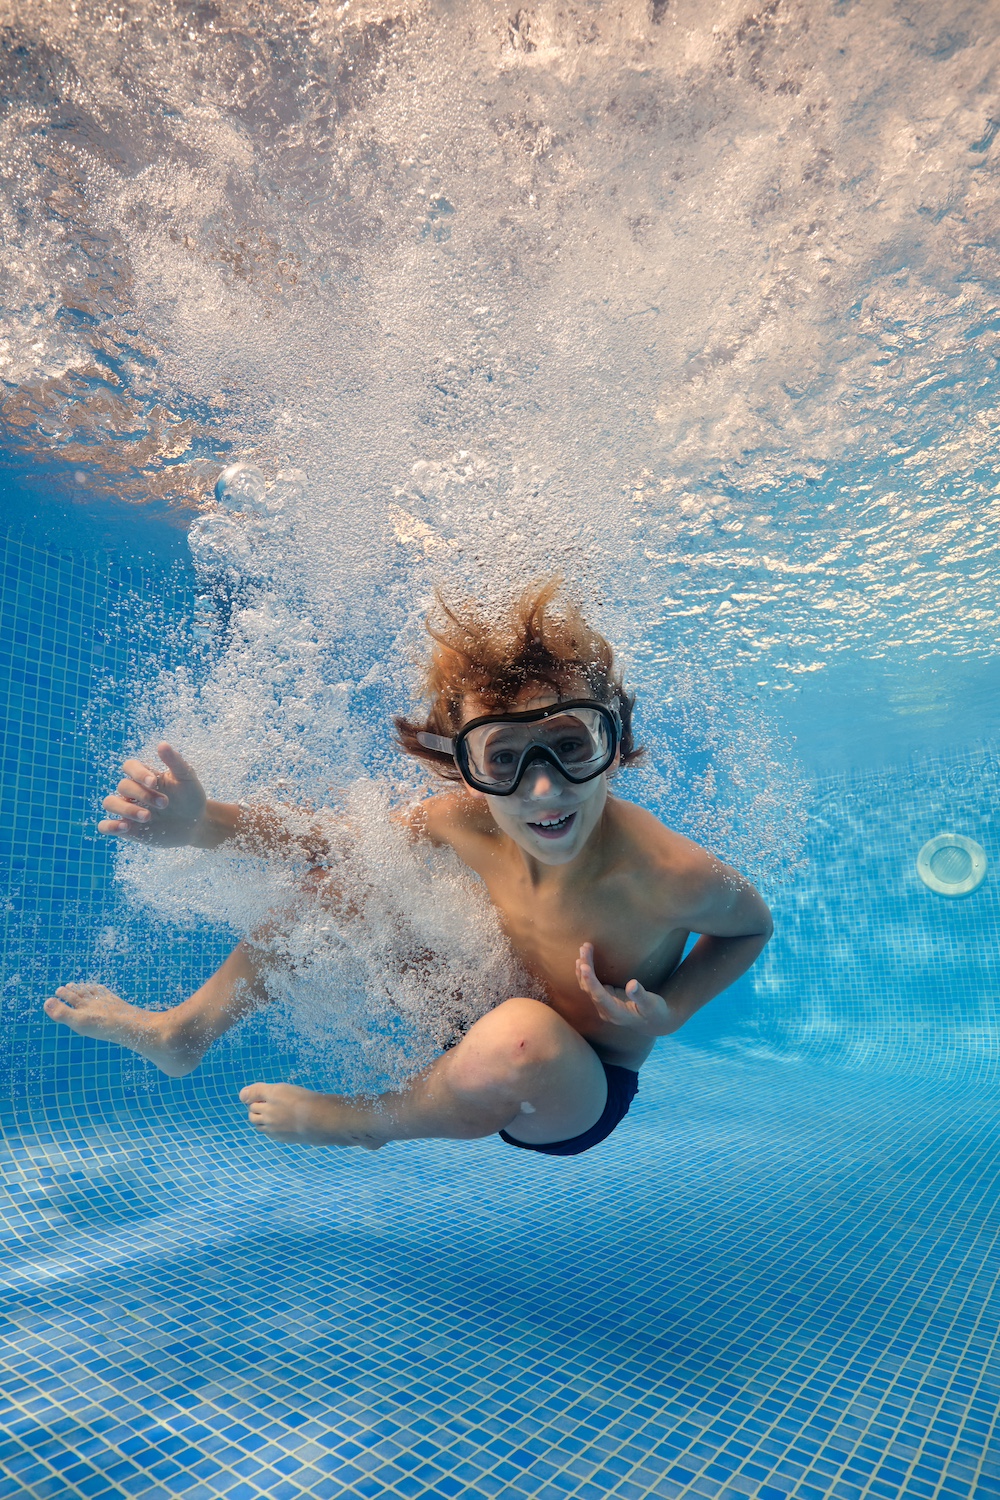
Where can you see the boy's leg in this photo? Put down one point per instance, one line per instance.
(520, 1054)
(177, 1039)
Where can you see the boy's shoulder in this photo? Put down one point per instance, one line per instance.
(448, 816)
(662, 859)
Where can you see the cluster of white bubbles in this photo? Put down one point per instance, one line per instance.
(377, 959)
(695, 305)
(225, 541)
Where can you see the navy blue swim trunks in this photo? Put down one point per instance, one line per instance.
(623, 1085)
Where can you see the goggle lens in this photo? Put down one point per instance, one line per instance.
(580, 739)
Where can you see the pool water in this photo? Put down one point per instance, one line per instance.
(697, 306)
(778, 1277)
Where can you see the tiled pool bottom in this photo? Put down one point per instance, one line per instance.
(774, 1280)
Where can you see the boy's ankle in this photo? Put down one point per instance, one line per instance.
(179, 1032)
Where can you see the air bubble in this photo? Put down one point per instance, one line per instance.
(241, 487)
(203, 619)
(219, 541)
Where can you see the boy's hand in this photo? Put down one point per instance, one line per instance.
(156, 807)
(633, 1007)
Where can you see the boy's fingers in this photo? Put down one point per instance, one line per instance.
(647, 1004)
(585, 962)
(619, 1016)
(135, 793)
(589, 981)
(609, 1005)
(118, 826)
(140, 773)
(254, 1093)
(598, 992)
(124, 807)
(175, 762)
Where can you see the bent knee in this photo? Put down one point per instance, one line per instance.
(517, 1039)
(528, 1029)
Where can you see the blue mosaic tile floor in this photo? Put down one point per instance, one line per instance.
(778, 1278)
(774, 1281)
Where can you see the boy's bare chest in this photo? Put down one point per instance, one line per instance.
(546, 931)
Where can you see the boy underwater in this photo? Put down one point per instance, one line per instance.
(596, 896)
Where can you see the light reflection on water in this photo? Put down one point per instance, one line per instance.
(700, 307)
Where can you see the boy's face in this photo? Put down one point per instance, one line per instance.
(548, 817)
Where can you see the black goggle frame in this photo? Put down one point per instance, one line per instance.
(457, 747)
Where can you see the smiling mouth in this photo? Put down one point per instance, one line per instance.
(553, 828)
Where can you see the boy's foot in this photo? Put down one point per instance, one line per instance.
(285, 1112)
(91, 1010)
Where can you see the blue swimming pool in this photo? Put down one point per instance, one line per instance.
(698, 307)
(780, 1280)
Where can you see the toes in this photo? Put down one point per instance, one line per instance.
(254, 1093)
(79, 994)
(259, 1120)
(69, 1003)
(69, 994)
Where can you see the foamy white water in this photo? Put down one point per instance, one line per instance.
(666, 275)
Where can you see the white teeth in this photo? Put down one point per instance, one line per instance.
(551, 822)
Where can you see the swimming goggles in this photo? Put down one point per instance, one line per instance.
(579, 738)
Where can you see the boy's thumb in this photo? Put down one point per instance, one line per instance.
(175, 762)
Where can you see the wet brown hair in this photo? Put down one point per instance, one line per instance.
(540, 638)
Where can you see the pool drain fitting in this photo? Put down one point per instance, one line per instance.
(952, 865)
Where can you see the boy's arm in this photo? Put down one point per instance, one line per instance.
(735, 926)
(169, 809)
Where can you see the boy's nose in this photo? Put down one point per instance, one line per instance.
(539, 780)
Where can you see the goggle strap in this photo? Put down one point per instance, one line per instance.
(438, 742)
